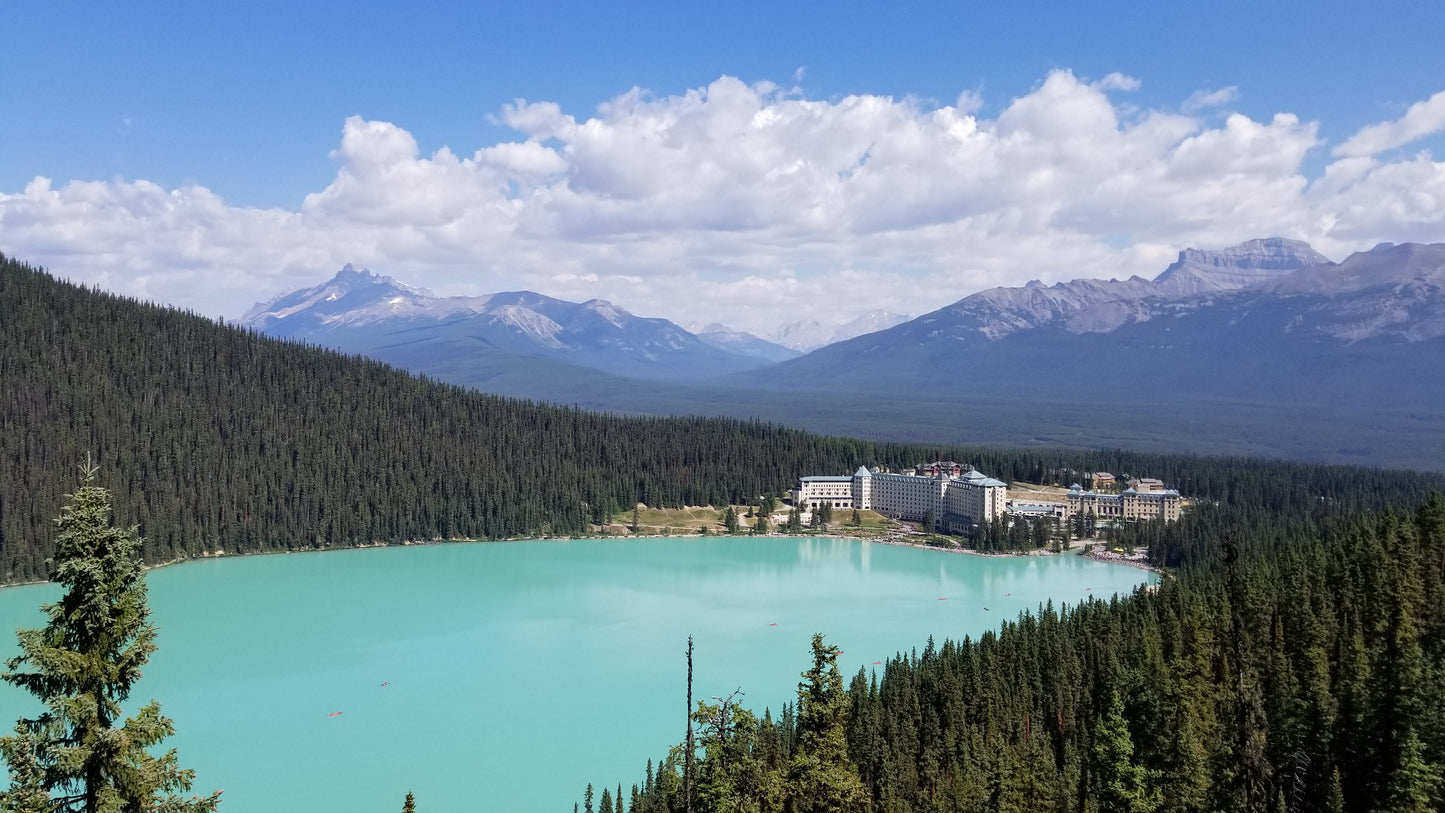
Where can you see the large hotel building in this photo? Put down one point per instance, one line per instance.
(958, 499)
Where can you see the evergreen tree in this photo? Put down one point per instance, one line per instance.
(409, 806)
(730, 520)
(636, 522)
(1415, 785)
(1120, 785)
(857, 518)
(795, 520)
(761, 526)
(820, 776)
(83, 664)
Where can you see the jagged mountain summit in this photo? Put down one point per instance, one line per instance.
(1247, 265)
(1267, 321)
(468, 339)
(350, 297)
(1101, 306)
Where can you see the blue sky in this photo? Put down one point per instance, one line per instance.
(181, 142)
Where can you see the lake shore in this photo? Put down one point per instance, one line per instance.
(898, 535)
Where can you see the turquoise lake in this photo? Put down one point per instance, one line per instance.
(506, 676)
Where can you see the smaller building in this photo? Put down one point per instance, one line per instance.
(1037, 510)
(814, 491)
(1131, 505)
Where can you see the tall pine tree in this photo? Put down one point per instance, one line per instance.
(83, 664)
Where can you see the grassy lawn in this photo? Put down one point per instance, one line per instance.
(688, 521)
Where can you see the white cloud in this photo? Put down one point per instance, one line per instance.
(1118, 81)
(1206, 99)
(1422, 119)
(754, 205)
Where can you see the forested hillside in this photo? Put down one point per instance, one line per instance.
(215, 438)
(1293, 666)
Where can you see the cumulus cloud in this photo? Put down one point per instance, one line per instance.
(755, 205)
(1422, 119)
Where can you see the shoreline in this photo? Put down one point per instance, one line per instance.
(1088, 550)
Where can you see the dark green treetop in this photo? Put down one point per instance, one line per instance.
(821, 777)
(83, 663)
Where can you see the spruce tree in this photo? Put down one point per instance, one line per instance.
(1120, 784)
(408, 806)
(83, 664)
(821, 777)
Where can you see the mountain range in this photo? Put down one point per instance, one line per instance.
(1270, 321)
(361, 312)
(1267, 347)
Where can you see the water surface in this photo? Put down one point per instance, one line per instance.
(506, 676)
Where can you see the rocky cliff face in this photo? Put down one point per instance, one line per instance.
(1389, 291)
(1250, 264)
(1102, 306)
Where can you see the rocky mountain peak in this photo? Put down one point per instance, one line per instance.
(1247, 265)
(1387, 265)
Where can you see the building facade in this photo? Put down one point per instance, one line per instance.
(1131, 505)
(956, 499)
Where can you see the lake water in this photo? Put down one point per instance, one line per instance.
(506, 676)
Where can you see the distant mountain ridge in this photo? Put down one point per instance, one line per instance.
(1267, 347)
(1268, 321)
(810, 334)
(736, 341)
(1101, 306)
(361, 312)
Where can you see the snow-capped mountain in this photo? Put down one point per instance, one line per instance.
(351, 296)
(361, 312)
(744, 344)
(810, 334)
